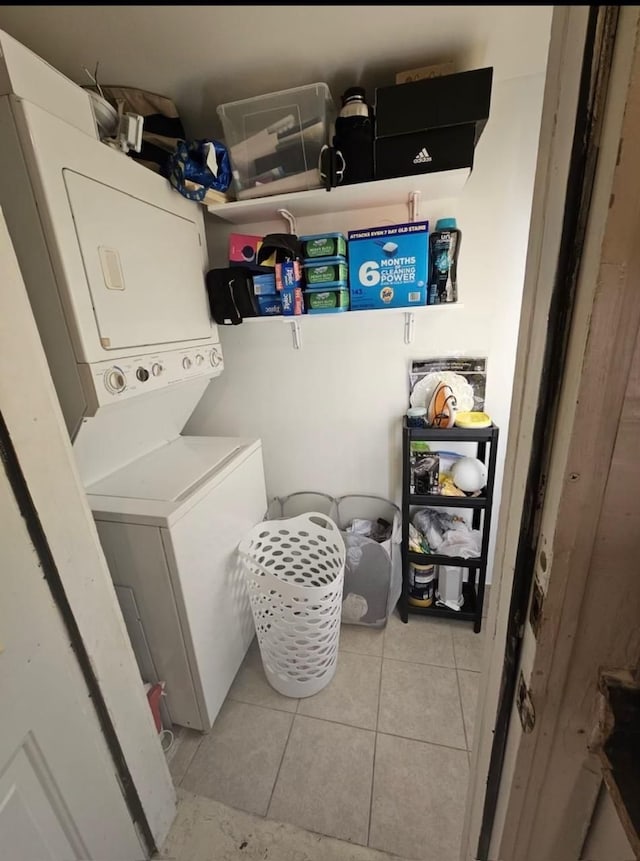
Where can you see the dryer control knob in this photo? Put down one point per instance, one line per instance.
(215, 358)
(186, 363)
(199, 359)
(115, 381)
(156, 369)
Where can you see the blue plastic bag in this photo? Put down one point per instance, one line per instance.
(191, 161)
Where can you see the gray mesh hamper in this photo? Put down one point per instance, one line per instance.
(373, 571)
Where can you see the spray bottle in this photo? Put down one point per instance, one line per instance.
(444, 245)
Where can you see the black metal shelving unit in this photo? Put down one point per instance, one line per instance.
(473, 589)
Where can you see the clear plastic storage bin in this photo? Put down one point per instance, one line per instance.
(274, 140)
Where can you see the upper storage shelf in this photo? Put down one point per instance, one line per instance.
(364, 195)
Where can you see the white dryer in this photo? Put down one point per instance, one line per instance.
(113, 260)
(169, 525)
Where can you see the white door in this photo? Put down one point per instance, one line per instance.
(59, 796)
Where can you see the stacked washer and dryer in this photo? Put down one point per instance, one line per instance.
(114, 261)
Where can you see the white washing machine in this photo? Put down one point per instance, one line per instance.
(169, 525)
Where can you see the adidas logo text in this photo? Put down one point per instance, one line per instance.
(423, 157)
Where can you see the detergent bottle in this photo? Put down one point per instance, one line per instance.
(444, 245)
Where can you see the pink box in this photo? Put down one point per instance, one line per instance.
(243, 249)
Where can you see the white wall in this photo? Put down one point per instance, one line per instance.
(203, 56)
(329, 414)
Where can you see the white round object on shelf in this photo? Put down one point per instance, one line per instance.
(469, 474)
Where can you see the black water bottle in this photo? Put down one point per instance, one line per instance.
(354, 136)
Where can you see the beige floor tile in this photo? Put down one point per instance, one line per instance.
(251, 686)
(468, 647)
(351, 697)
(361, 639)
(423, 640)
(421, 702)
(325, 779)
(238, 760)
(206, 830)
(187, 742)
(419, 794)
(469, 684)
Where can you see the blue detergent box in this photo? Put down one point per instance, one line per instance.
(388, 266)
(264, 285)
(269, 306)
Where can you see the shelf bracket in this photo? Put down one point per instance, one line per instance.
(290, 219)
(414, 205)
(295, 331)
(409, 324)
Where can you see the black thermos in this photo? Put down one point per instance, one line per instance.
(354, 136)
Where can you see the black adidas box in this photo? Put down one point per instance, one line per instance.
(431, 125)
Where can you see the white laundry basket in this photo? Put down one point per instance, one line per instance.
(295, 572)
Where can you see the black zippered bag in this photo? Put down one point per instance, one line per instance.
(230, 293)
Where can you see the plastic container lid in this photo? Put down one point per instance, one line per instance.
(416, 412)
(446, 224)
(473, 420)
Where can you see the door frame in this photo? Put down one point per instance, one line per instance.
(563, 493)
(78, 573)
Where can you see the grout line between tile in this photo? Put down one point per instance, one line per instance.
(455, 657)
(284, 750)
(419, 663)
(354, 652)
(373, 778)
(375, 750)
(464, 724)
(338, 722)
(380, 732)
(235, 699)
(191, 758)
(422, 741)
